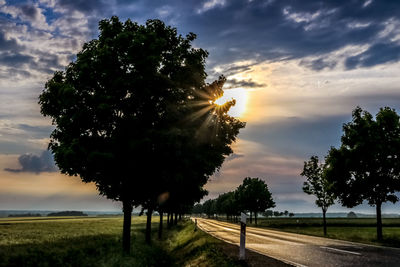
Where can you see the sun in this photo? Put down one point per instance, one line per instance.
(240, 95)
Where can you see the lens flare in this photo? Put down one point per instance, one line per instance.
(240, 95)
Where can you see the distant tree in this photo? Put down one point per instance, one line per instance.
(286, 213)
(277, 214)
(366, 166)
(197, 209)
(291, 215)
(351, 214)
(209, 207)
(227, 204)
(316, 184)
(67, 213)
(254, 196)
(268, 213)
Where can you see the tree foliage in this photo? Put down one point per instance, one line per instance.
(254, 196)
(316, 183)
(134, 116)
(366, 166)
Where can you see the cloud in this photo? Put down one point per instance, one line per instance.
(210, 4)
(249, 83)
(35, 164)
(379, 53)
(298, 136)
(15, 60)
(85, 6)
(234, 156)
(318, 64)
(8, 44)
(293, 29)
(28, 13)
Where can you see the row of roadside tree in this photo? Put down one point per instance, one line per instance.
(252, 196)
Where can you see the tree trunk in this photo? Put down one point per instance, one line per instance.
(126, 232)
(160, 227)
(148, 225)
(324, 220)
(255, 217)
(176, 218)
(251, 217)
(379, 234)
(180, 216)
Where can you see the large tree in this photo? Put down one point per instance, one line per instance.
(254, 196)
(316, 184)
(121, 106)
(367, 164)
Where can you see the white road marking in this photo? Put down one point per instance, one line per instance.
(341, 250)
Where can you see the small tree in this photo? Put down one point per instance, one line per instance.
(317, 185)
(254, 196)
(366, 166)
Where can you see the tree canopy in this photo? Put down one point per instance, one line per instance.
(366, 166)
(134, 115)
(254, 196)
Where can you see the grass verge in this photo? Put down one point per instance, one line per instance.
(192, 247)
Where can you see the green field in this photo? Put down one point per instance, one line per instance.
(96, 241)
(357, 229)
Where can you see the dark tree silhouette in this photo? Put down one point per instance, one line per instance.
(351, 215)
(277, 213)
(254, 196)
(317, 185)
(209, 207)
(228, 204)
(268, 213)
(286, 213)
(121, 106)
(366, 166)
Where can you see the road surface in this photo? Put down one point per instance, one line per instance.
(303, 250)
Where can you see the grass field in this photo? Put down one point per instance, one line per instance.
(358, 229)
(97, 242)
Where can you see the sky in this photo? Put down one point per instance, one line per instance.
(296, 68)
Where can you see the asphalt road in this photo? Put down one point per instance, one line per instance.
(303, 250)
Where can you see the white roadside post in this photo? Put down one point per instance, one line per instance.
(242, 254)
